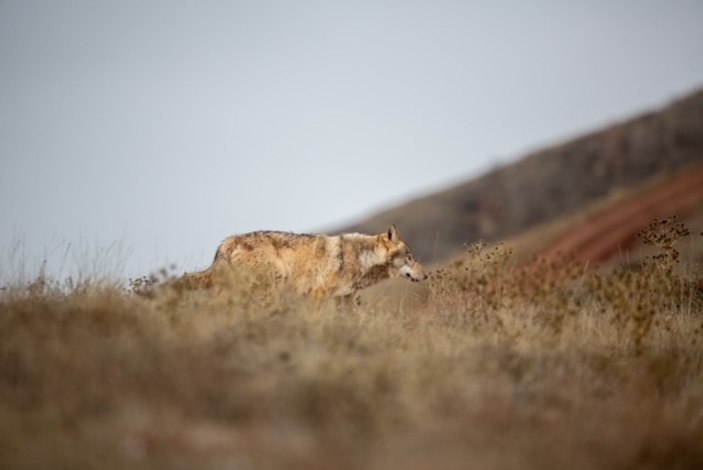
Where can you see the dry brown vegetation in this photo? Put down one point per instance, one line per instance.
(544, 365)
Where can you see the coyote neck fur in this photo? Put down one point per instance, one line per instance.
(372, 259)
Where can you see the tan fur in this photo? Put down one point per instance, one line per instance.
(317, 266)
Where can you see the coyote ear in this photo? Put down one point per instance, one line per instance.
(392, 233)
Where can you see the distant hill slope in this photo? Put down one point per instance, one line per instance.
(551, 183)
(608, 230)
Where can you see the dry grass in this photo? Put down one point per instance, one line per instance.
(546, 366)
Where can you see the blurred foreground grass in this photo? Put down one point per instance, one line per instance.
(492, 365)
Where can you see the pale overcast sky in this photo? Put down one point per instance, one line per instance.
(165, 126)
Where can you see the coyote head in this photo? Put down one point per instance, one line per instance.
(399, 260)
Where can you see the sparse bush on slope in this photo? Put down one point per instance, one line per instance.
(544, 365)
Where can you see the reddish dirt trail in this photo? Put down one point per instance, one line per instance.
(607, 231)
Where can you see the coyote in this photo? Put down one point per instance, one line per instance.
(317, 266)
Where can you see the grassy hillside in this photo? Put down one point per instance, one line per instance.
(497, 361)
(496, 366)
(551, 183)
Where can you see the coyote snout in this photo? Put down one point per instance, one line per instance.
(404, 265)
(413, 271)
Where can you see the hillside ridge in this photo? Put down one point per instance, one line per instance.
(550, 183)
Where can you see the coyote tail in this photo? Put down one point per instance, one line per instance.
(194, 281)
